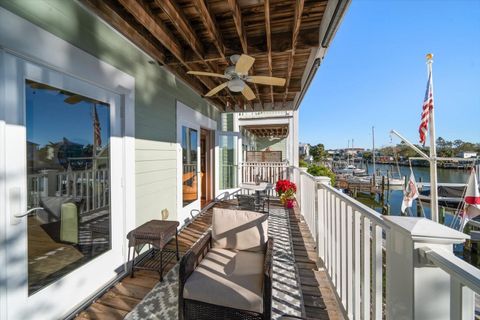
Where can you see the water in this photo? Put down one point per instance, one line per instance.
(394, 197)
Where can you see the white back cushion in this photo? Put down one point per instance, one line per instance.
(239, 230)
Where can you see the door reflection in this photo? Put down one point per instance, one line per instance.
(68, 174)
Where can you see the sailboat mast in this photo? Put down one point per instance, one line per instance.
(348, 152)
(433, 149)
(373, 151)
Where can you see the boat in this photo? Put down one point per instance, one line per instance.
(351, 169)
(448, 196)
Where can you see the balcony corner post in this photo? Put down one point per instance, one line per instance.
(417, 289)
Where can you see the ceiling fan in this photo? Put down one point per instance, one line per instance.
(237, 75)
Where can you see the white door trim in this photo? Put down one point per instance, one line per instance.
(44, 49)
(188, 117)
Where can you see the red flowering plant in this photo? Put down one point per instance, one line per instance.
(286, 190)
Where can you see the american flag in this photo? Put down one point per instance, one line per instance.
(96, 128)
(427, 107)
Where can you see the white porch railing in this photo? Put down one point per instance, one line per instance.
(386, 267)
(264, 171)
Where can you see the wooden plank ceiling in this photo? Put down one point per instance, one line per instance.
(200, 35)
(269, 131)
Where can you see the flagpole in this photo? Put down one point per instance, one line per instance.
(374, 175)
(433, 149)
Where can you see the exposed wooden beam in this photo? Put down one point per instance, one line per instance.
(110, 16)
(268, 34)
(296, 29)
(258, 47)
(178, 19)
(237, 18)
(158, 29)
(211, 26)
(154, 26)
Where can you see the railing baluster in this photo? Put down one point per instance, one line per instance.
(82, 183)
(337, 245)
(87, 189)
(332, 237)
(357, 264)
(321, 223)
(350, 257)
(343, 251)
(328, 234)
(377, 265)
(365, 279)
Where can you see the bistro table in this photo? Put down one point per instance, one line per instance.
(156, 233)
(259, 188)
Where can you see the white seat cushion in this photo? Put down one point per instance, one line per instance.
(239, 230)
(228, 278)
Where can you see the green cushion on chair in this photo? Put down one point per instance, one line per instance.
(69, 223)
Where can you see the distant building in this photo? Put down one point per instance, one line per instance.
(467, 154)
(353, 151)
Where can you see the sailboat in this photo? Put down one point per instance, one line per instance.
(350, 169)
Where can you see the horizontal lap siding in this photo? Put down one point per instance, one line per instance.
(273, 145)
(156, 93)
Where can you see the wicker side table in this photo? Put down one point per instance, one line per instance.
(156, 233)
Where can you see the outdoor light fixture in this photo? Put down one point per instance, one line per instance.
(236, 85)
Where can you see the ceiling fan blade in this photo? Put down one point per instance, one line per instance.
(273, 81)
(216, 89)
(248, 93)
(74, 99)
(208, 74)
(244, 63)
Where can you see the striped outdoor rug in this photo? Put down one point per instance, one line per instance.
(162, 301)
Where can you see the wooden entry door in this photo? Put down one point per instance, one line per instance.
(206, 166)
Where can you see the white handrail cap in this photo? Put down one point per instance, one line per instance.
(425, 230)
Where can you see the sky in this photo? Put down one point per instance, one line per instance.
(50, 119)
(375, 74)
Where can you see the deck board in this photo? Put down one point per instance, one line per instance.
(318, 297)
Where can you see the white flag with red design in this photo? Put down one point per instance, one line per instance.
(471, 207)
(410, 193)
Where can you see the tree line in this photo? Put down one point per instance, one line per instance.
(445, 148)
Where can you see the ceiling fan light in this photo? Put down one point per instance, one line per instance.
(236, 85)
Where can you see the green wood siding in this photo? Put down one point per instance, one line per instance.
(156, 93)
(273, 145)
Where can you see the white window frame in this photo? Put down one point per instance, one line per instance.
(188, 117)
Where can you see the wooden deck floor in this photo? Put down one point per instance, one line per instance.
(318, 296)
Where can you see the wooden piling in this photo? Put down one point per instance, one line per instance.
(419, 209)
(382, 195)
(441, 216)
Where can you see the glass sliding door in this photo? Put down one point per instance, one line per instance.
(190, 165)
(64, 190)
(68, 177)
(228, 150)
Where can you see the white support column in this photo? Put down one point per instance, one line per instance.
(294, 133)
(417, 289)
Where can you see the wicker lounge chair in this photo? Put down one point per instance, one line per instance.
(228, 273)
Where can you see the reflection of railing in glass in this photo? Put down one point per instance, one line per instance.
(190, 183)
(68, 158)
(190, 161)
(90, 186)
